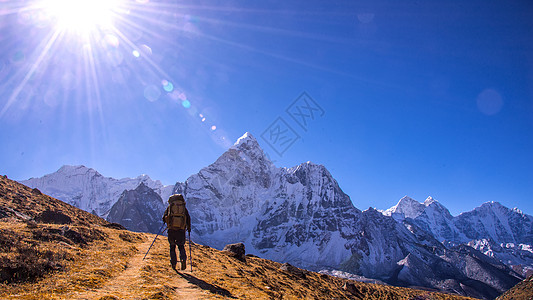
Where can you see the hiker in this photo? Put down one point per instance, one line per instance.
(178, 220)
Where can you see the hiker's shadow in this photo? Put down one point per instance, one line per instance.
(215, 289)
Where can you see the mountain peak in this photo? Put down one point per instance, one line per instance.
(71, 169)
(490, 205)
(409, 207)
(249, 149)
(429, 201)
(245, 139)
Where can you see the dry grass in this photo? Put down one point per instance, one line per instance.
(86, 259)
(521, 291)
(222, 275)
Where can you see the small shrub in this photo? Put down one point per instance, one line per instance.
(27, 264)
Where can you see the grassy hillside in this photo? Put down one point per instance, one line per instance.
(51, 250)
(521, 291)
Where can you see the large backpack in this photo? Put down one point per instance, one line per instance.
(176, 218)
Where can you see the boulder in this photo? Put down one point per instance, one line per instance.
(294, 270)
(53, 217)
(350, 287)
(236, 251)
(116, 226)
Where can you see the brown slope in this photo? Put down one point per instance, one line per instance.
(522, 291)
(21, 202)
(84, 259)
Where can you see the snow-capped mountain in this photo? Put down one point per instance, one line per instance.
(495, 230)
(489, 221)
(495, 221)
(140, 209)
(277, 212)
(300, 215)
(431, 216)
(87, 189)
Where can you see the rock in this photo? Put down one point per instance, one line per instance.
(294, 270)
(3, 213)
(236, 250)
(116, 226)
(36, 191)
(350, 287)
(53, 217)
(31, 224)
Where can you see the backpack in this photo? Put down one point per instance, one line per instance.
(176, 217)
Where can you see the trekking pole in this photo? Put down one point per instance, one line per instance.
(154, 240)
(190, 251)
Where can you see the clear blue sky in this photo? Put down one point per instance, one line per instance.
(419, 98)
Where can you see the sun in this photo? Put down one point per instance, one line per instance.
(81, 16)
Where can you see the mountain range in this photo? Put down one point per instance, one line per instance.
(301, 215)
(53, 250)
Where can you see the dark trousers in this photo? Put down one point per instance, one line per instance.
(177, 238)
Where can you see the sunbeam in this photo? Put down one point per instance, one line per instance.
(81, 16)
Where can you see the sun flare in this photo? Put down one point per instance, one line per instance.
(81, 16)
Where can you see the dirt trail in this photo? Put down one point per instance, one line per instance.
(129, 283)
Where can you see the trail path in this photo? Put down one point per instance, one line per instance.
(129, 284)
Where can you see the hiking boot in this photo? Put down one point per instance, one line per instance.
(183, 264)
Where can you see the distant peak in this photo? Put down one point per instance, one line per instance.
(492, 204)
(245, 139)
(407, 206)
(79, 169)
(407, 199)
(71, 168)
(68, 170)
(429, 201)
(517, 210)
(142, 187)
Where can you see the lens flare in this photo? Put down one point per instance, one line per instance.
(81, 16)
(167, 86)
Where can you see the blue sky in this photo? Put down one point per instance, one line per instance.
(416, 98)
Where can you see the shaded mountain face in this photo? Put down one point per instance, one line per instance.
(87, 189)
(139, 210)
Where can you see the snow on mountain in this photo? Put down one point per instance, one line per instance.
(495, 221)
(490, 220)
(87, 189)
(495, 230)
(407, 208)
(519, 256)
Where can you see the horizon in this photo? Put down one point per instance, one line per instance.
(248, 133)
(394, 99)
